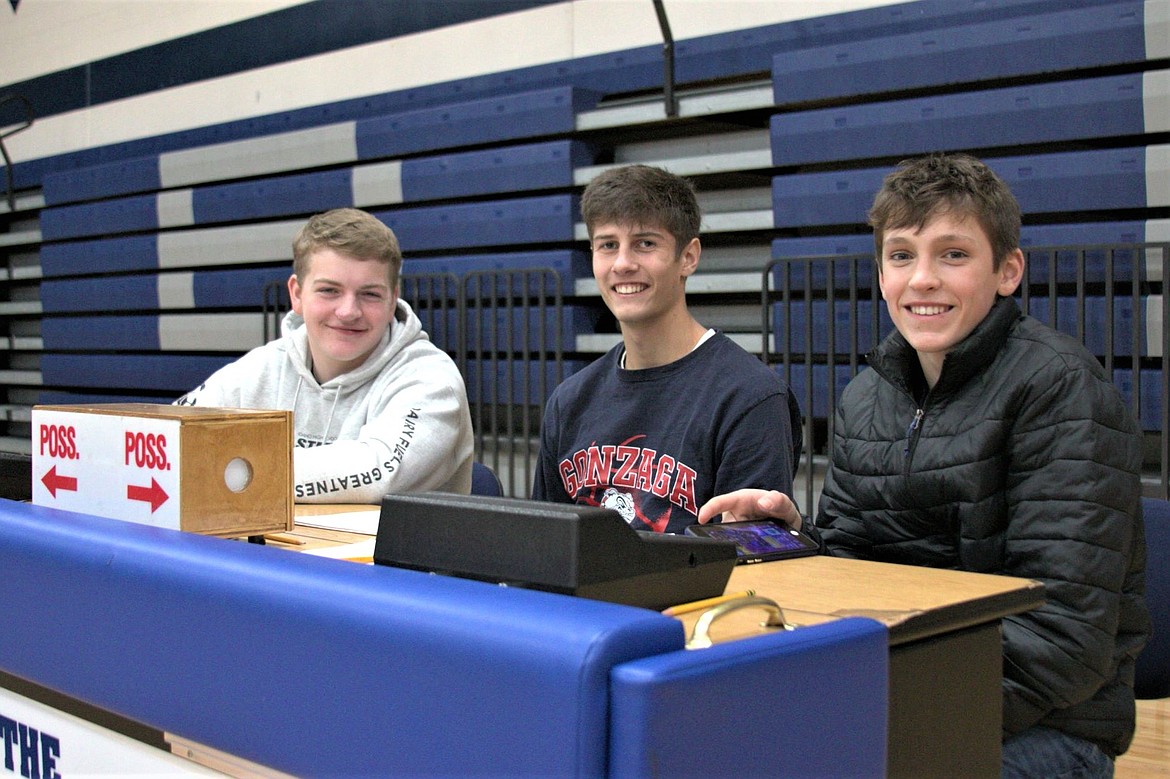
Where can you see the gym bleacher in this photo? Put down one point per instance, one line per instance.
(136, 269)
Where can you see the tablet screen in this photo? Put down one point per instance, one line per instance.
(759, 540)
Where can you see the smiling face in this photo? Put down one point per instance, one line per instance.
(641, 276)
(347, 304)
(940, 281)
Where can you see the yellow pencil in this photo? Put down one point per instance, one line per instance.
(706, 603)
(363, 559)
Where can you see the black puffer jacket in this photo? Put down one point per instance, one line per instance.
(1022, 460)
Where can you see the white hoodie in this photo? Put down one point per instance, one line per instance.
(398, 423)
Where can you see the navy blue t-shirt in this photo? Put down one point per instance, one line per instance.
(656, 444)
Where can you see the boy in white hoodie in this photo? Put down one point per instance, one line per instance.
(377, 408)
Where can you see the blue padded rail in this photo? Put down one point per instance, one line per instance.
(1037, 113)
(231, 288)
(1043, 183)
(1152, 676)
(176, 373)
(838, 671)
(1049, 42)
(400, 672)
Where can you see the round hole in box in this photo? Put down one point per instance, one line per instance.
(238, 474)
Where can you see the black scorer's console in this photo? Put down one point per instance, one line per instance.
(556, 547)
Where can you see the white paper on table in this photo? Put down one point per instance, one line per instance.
(357, 549)
(364, 521)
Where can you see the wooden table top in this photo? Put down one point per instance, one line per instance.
(913, 602)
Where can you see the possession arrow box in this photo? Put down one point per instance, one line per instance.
(218, 471)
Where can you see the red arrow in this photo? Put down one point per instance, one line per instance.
(55, 482)
(154, 494)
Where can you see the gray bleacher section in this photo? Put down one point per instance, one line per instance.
(154, 263)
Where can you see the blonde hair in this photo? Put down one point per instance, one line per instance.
(348, 231)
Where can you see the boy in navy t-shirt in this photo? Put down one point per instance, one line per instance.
(677, 413)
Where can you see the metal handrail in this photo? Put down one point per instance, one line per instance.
(28, 109)
(668, 60)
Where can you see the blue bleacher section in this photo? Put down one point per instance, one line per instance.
(511, 169)
(157, 252)
(516, 382)
(527, 329)
(198, 289)
(1062, 38)
(566, 264)
(711, 57)
(1148, 410)
(1071, 181)
(130, 373)
(1037, 113)
(851, 329)
(548, 218)
(532, 220)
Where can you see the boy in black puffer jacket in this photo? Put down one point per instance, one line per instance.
(983, 440)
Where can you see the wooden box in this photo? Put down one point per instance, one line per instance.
(218, 471)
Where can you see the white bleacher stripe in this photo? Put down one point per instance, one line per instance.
(176, 290)
(21, 238)
(176, 208)
(210, 332)
(726, 222)
(1157, 17)
(599, 343)
(1157, 231)
(698, 283)
(26, 378)
(227, 245)
(1154, 329)
(1156, 100)
(17, 343)
(22, 267)
(377, 185)
(693, 166)
(692, 105)
(20, 307)
(27, 201)
(1158, 175)
(20, 445)
(295, 150)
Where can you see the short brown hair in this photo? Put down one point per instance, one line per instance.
(643, 195)
(348, 231)
(923, 188)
